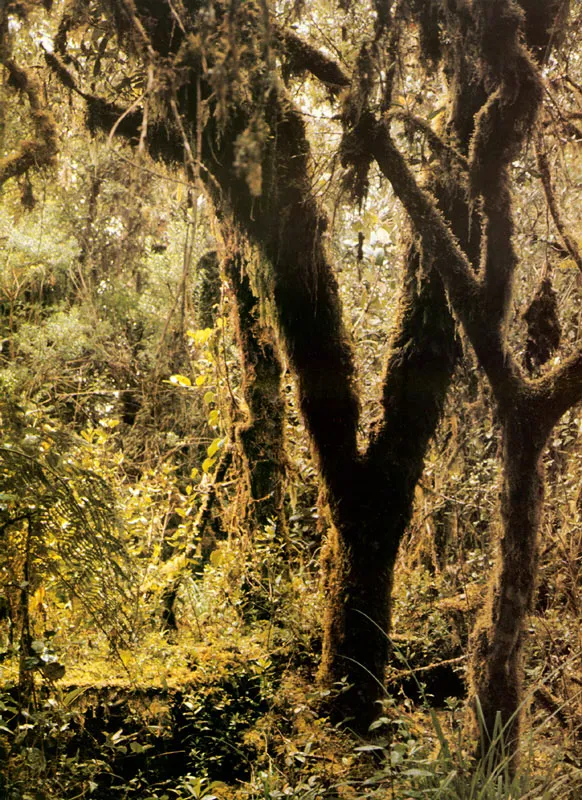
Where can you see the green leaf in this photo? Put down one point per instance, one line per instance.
(368, 748)
(8, 497)
(73, 695)
(418, 773)
(436, 112)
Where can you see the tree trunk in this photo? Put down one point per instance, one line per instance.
(358, 575)
(371, 515)
(496, 659)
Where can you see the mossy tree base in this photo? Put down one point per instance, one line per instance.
(496, 669)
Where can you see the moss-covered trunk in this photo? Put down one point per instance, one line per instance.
(358, 576)
(371, 515)
(496, 669)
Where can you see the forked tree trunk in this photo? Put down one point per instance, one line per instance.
(371, 515)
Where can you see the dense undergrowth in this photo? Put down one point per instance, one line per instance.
(229, 707)
(100, 698)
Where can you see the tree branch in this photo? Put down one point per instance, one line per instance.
(103, 115)
(464, 289)
(562, 387)
(39, 152)
(439, 146)
(303, 57)
(500, 129)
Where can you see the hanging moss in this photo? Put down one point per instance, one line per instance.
(427, 15)
(262, 435)
(31, 153)
(544, 331)
(515, 95)
(355, 155)
(544, 25)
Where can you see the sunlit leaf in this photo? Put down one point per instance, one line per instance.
(207, 464)
(180, 380)
(200, 337)
(213, 448)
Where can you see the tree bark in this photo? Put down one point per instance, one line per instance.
(496, 670)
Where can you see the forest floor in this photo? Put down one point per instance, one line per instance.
(231, 708)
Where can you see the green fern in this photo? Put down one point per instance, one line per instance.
(59, 519)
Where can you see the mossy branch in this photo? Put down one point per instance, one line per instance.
(262, 434)
(467, 293)
(104, 115)
(38, 152)
(370, 66)
(440, 147)
(561, 389)
(208, 527)
(501, 127)
(299, 56)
